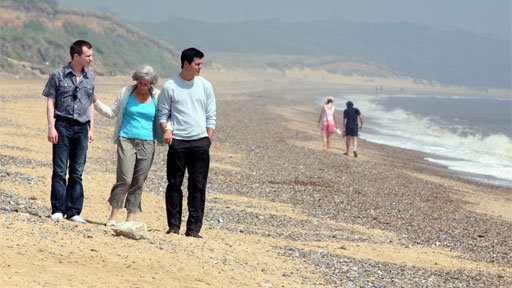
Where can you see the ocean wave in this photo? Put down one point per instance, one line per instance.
(457, 146)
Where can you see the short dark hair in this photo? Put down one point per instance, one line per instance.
(77, 47)
(189, 55)
(350, 104)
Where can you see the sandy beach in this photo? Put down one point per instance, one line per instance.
(280, 212)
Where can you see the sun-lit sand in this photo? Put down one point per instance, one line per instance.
(37, 252)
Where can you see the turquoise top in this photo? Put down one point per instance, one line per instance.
(138, 119)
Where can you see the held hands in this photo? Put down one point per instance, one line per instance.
(168, 137)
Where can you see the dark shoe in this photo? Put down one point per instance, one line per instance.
(355, 154)
(346, 153)
(173, 231)
(193, 234)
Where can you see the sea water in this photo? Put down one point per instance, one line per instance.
(468, 135)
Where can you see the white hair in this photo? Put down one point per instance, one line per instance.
(145, 72)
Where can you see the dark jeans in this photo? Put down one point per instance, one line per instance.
(193, 155)
(71, 147)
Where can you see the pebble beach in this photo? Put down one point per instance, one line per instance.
(280, 211)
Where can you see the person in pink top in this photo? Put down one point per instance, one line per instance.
(327, 122)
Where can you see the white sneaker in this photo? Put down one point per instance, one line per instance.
(78, 219)
(57, 216)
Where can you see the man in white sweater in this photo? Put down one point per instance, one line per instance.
(187, 113)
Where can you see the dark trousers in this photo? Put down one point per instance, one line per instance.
(71, 149)
(193, 155)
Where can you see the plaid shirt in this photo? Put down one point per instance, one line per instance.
(72, 99)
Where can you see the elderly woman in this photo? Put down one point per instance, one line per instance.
(327, 122)
(135, 132)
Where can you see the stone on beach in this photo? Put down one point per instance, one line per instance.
(132, 230)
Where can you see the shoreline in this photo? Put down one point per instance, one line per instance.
(429, 156)
(463, 175)
(279, 210)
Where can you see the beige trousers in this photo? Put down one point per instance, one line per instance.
(134, 159)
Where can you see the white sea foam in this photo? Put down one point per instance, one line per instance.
(456, 147)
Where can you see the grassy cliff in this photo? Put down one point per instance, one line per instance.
(36, 35)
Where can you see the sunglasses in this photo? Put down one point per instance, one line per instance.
(75, 93)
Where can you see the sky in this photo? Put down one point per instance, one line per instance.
(482, 16)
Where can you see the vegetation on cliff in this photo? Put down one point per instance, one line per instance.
(37, 34)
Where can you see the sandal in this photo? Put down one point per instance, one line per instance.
(110, 223)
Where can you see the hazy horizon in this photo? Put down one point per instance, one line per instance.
(471, 15)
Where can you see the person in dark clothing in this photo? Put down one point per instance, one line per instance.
(350, 125)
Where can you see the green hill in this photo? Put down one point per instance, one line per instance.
(36, 35)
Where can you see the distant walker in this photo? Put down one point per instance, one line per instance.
(350, 125)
